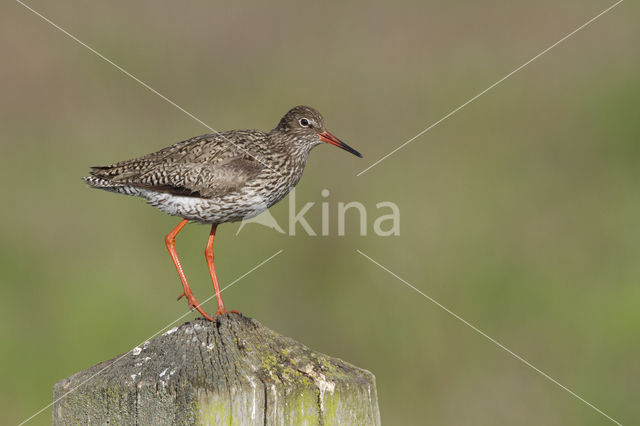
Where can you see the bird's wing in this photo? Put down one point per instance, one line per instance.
(204, 166)
(197, 179)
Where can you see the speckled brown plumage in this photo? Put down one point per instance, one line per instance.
(220, 177)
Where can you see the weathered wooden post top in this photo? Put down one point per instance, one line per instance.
(233, 371)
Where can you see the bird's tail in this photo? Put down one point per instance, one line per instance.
(99, 177)
(99, 182)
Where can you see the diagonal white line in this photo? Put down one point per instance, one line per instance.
(142, 83)
(485, 335)
(149, 338)
(491, 87)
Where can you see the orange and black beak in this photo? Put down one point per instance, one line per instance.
(329, 138)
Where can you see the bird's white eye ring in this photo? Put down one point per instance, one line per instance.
(304, 122)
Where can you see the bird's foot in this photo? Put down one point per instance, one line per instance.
(193, 304)
(224, 311)
(191, 301)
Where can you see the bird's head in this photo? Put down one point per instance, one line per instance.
(304, 125)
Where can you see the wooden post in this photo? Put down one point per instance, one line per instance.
(233, 371)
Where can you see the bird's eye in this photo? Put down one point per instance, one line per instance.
(304, 122)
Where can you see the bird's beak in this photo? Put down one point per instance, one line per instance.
(329, 138)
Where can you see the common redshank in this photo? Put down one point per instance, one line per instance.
(220, 177)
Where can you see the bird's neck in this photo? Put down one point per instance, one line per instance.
(289, 145)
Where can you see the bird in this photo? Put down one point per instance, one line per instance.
(219, 177)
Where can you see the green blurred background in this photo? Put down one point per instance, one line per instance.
(520, 213)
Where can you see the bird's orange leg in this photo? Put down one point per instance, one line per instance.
(208, 254)
(170, 240)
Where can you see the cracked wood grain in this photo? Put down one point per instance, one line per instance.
(232, 371)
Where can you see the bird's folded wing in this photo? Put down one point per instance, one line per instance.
(193, 179)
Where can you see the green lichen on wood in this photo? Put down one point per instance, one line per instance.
(303, 407)
(233, 371)
(214, 412)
